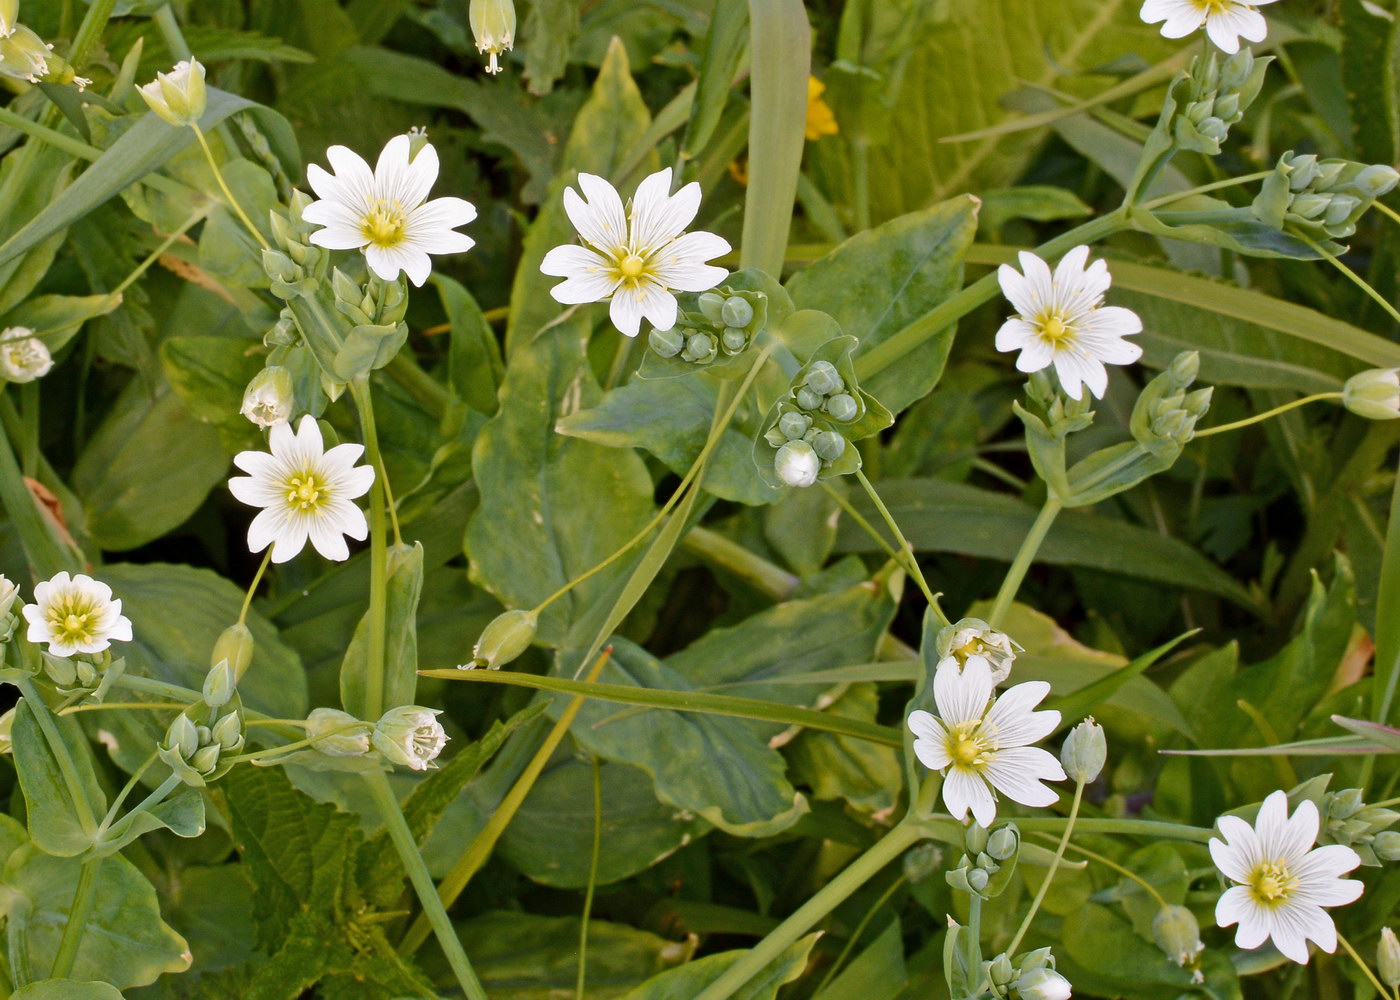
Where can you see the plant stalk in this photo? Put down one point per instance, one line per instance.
(1025, 555)
(378, 558)
(84, 897)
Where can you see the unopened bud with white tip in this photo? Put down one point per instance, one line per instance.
(1084, 752)
(178, 96)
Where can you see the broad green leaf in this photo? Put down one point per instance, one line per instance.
(877, 973)
(940, 516)
(66, 989)
(835, 767)
(182, 813)
(569, 503)
(56, 318)
(724, 48)
(880, 281)
(1100, 954)
(688, 981)
(209, 375)
(1370, 60)
(399, 678)
(45, 772)
(474, 367)
(549, 32)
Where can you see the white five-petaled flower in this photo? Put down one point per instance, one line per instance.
(75, 615)
(386, 212)
(984, 745)
(305, 492)
(1226, 21)
(23, 356)
(1060, 320)
(638, 256)
(1283, 883)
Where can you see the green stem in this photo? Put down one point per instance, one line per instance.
(1025, 555)
(1130, 827)
(592, 877)
(378, 558)
(90, 30)
(1380, 989)
(66, 766)
(158, 795)
(972, 943)
(721, 552)
(80, 149)
(855, 875)
(1356, 279)
(83, 899)
(433, 909)
(122, 795)
(252, 587)
(1174, 196)
(229, 199)
(1108, 862)
(170, 31)
(29, 411)
(1237, 424)
(1049, 875)
(910, 561)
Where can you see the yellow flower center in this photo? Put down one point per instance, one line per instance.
(304, 493)
(631, 266)
(968, 746)
(69, 620)
(385, 224)
(1053, 328)
(1271, 882)
(1209, 7)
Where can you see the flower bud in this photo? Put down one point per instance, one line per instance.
(269, 397)
(1042, 984)
(177, 96)
(219, 684)
(205, 759)
(228, 732)
(975, 837)
(493, 25)
(808, 399)
(1237, 70)
(9, 591)
(279, 267)
(736, 312)
(843, 407)
(1387, 845)
(712, 305)
(1374, 394)
(1388, 958)
(699, 347)
(794, 425)
(417, 139)
(1084, 752)
(734, 340)
(1003, 843)
(822, 378)
(797, 464)
(1227, 106)
(182, 735)
(23, 356)
(508, 635)
(235, 645)
(829, 445)
(1000, 971)
(977, 878)
(1376, 180)
(24, 55)
(337, 734)
(1178, 935)
(667, 343)
(974, 637)
(410, 735)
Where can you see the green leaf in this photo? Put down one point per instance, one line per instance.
(1369, 61)
(880, 281)
(724, 49)
(400, 679)
(877, 973)
(550, 29)
(56, 318)
(474, 367)
(1073, 707)
(569, 503)
(209, 375)
(53, 821)
(181, 813)
(690, 979)
(66, 989)
(840, 768)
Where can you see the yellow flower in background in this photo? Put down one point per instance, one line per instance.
(820, 120)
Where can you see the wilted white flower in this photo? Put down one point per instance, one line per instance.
(269, 397)
(1060, 320)
(23, 356)
(410, 735)
(493, 26)
(9, 17)
(75, 615)
(974, 637)
(636, 257)
(24, 55)
(1283, 882)
(386, 213)
(305, 492)
(983, 745)
(178, 96)
(1226, 21)
(336, 733)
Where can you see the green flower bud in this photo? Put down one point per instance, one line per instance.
(177, 96)
(1000, 971)
(410, 735)
(337, 734)
(1043, 984)
(775, 436)
(219, 684)
(182, 735)
(700, 348)
(1374, 394)
(843, 407)
(61, 670)
(205, 759)
(24, 55)
(794, 425)
(235, 645)
(957, 879)
(975, 838)
(1387, 845)
(1340, 209)
(1309, 206)
(829, 446)
(269, 397)
(1388, 958)
(228, 732)
(1237, 70)
(1178, 935)
(493, 25)
(279, 266)
(1003, 843)
(808, 399)
(667, 343)
(736, 312)
(1084, 752)
(1376, 180)
(508, 635)
(797, 464)
(733, 339)
(712, 305)
(822, 378)
(977, 879)
(1227, 107)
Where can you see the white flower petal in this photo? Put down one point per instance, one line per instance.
(600, 220)
(961, 695)
(1011, 720)
(626, 314)
(658, 217)
(964, 791)
(1017, 774)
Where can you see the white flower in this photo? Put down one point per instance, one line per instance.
(1283, 883)
(269, 398)
(410, 735)
(637, 257)
(984, 744)
(1226, 21)
(178, 96)
(974, 637)
(386, 213)
(304, 492)
(23, 357)
(1060, 321)
(75, 615)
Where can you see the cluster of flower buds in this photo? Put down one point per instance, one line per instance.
(1164, 418)
(727, 323)
(91, 675)
(26, 56)
(1320, 200)
(199, 743)
(1057, 412)
(23, 356)
(493, 26)
(1373, 394)
(974, 637)
(179, 96)
(296, 267)
(1031, 976)
(374, 314)
(1217, 97)
(806, 434)
(989, 862)
(508, 635)
(1347, 820)
(1178, 934)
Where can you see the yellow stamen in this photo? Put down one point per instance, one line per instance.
(1212, 6)
(303, 493)
(968, 746)
(1053, 328)
(631, 266)
(1271, 882)
(384, 225)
